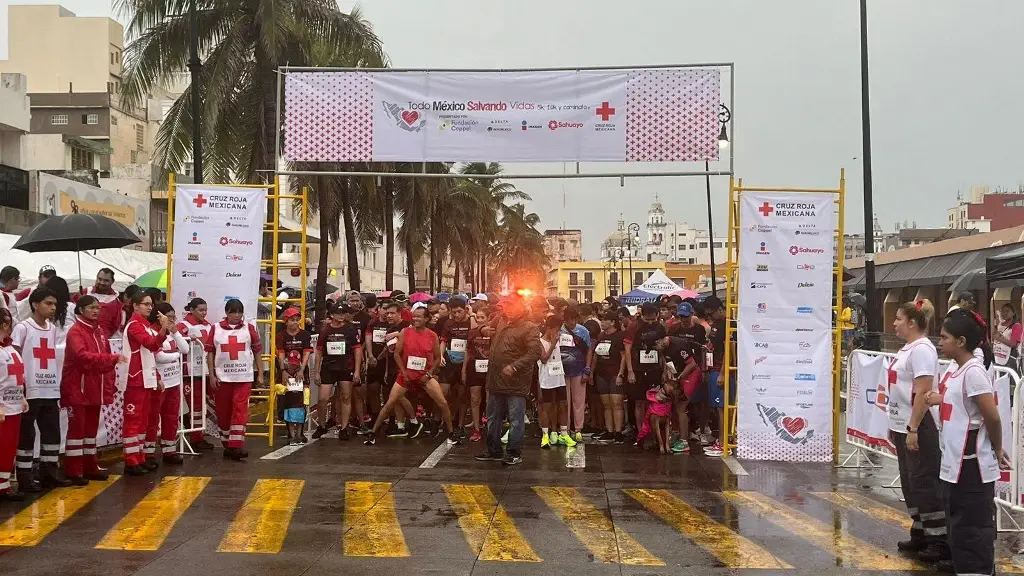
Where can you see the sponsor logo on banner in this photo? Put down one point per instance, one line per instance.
(761, 391)
(226, 241)
(194, 240)
(761, 377)
(804, 310)
(407, 119)
(192, 257)
(221, 201)
(804, 405)
(759, 359)
(762, 267)
(805, 392)
(558, 124)
(804, 330)
(805, 361)
(796, 250)
(794, 430)
(788, 210)
(759, 285)
(805, 267)
(234, 257)
(805, 285)
(807, 233)
(756, 329)
(762, 308)
(761, 345)
(189, 274)
(805, 345)
(763, 249)
(803, 377)
(232, 275)
(762, 228)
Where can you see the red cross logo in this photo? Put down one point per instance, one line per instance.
(17, 369)
(200, 201)
(605, 111)
(766, 210)
(945, 409)
(43, 354)
(233, 347)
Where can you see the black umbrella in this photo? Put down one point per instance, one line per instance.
(975, 280)
(74, 233)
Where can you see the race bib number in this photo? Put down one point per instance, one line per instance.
(648, 356)
(378, 335)
(294, 385)
(458, 345)
(481, 366)
(709, 359)
(565, 340)
(603, 348)
(336, 348)
(556, 369)
(416, 363)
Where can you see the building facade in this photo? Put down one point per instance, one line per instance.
(594, 281)
(986, 210)
(680, 242)
(563, 245)
(621, 245)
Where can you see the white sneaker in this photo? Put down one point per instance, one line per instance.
(504, 439)
(706, 440)
(714, 450)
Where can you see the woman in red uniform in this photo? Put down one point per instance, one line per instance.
(87, 383)
(418, 355)
(195, 327)
(142, 383)
(12, 405)
(165, 406)
(234, 352)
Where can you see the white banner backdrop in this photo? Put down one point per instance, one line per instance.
(644, 115)
(784, 337)
(218, 243)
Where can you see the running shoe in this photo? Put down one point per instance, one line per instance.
(343, 434)
(566, 440)
(371, 439)
(544, 442)
(714, 450)
(706, 440)
(620, 438)
(475, 437)
(453, 438)
(303, 439)
(680, 447)
(398, 433)
(416, 428)
(331, 423)
(363, 430)
(553, 438)
(694, 436)
(488, 457)
(319, 432)
(504, 439)
(512, 460)
(579, 437)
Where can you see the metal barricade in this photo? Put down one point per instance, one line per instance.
(196, 351)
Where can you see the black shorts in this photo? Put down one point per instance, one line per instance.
(333, 375)
(450, 374)
(474, 378)
(635, 391)
(553, 394)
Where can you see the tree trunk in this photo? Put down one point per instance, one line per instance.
(432, 269)
(350, 234)
(471, 274)
(483, 272)
(410, 260)
(325, 245)
(457, 281)
(389, 234)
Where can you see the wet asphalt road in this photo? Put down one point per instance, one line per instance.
(341, 507)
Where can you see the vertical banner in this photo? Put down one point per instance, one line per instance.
(218, 244)
(784, 328)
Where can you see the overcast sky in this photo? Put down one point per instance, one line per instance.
(946, 88)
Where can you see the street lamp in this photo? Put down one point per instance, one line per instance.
(872, 340)
(632, 232)
(724, 116)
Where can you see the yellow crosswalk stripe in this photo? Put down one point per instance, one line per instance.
(733, 550)
(605, 541)
(31, 525)
(147, 525)
(848, 550)
(490, 532)
(262, 523)
(869, 506)
(895, 517)
(371, 524)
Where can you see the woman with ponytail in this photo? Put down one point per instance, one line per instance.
(914, 432)
(972, 443)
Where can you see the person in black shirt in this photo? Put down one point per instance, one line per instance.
(474, 369)
(608, 367)
(716, 395)
(593, 326)
(293, 351)
(681, 362)
(454, 341)
(339, 361)
(644, 365)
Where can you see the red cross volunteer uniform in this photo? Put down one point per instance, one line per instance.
(235, 349)
(42, 388)
(12, 402)
(195, 367)
(165, 405)
(143, 343)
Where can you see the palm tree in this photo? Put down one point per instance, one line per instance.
(520, 247)
(493, 195)
(244, 42)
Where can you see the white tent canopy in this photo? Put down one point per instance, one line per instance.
(659, 283)
(126, 264)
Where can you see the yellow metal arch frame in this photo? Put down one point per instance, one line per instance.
(262, 401)
(729, 365)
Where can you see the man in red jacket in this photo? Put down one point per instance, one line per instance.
(112, 315)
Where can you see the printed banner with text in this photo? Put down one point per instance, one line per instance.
(784, 331)
(218, 243)
(644, 115)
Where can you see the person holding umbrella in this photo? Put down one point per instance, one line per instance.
(87, 384)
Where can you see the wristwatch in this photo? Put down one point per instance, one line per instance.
(911, 430)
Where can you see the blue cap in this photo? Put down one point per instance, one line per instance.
(685, 309)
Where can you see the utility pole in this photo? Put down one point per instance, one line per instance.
(874, 310)
(195, 66)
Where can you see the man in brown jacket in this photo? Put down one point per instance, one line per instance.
(515, 349)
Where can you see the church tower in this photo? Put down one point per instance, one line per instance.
(656, 250)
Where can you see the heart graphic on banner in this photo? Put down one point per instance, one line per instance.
(410, 116)
(793, 425)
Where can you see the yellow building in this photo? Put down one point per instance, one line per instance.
(595, 281)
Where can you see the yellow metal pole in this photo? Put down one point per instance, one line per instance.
(276, 235)
(838, 340)
(169, 239)
(726, 375)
